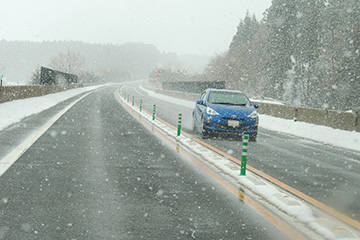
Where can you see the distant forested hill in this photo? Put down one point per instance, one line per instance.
(19, 59)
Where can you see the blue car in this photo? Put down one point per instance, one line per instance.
(226, 112)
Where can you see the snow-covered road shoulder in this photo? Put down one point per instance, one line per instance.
(323, 134)
(14, 111)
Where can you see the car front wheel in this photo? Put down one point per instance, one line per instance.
(205, 133)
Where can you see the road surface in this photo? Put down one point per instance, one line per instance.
(97, 173)
(326, 173)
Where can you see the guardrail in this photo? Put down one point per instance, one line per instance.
(349, 121)
(10, 93)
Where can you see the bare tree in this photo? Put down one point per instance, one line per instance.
(35, 77)
(70, 63)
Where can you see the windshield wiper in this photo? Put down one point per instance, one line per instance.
(221, 103)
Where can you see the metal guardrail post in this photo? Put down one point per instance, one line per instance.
(244, 154)
(296, 114)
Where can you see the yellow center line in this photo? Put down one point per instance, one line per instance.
(277, 222)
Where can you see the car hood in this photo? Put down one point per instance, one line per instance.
(231, 110)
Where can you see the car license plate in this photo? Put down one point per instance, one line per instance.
(232, 123)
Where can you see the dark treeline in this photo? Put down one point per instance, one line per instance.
(303, 52)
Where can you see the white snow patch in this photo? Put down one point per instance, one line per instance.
(326, 135)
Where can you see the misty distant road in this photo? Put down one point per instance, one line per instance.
(326, 173)
(99, 174)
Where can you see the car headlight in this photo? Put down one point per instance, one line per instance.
(254, 114)
(211, 111)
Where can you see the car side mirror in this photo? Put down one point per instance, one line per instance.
(256, 105)
(201, 102)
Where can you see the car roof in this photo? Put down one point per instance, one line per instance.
(223, 90)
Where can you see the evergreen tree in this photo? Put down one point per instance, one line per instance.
(243, 57)
(341, 46)
(281, 21)
(307, 50)
(349, 68)
(246, 30)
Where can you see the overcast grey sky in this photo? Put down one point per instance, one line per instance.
(201, 27)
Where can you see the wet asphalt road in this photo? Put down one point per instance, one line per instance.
(98, 174)
(326, 173)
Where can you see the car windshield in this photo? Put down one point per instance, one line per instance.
(229, 98)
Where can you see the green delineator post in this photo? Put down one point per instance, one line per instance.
(133, 100)
(179, 125)
(154, 112)
(128, 98)
(244, 154)
(140, 105)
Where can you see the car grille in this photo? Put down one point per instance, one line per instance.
(238, 119)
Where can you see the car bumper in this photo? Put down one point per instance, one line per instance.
(227, 125)
(219, 130)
